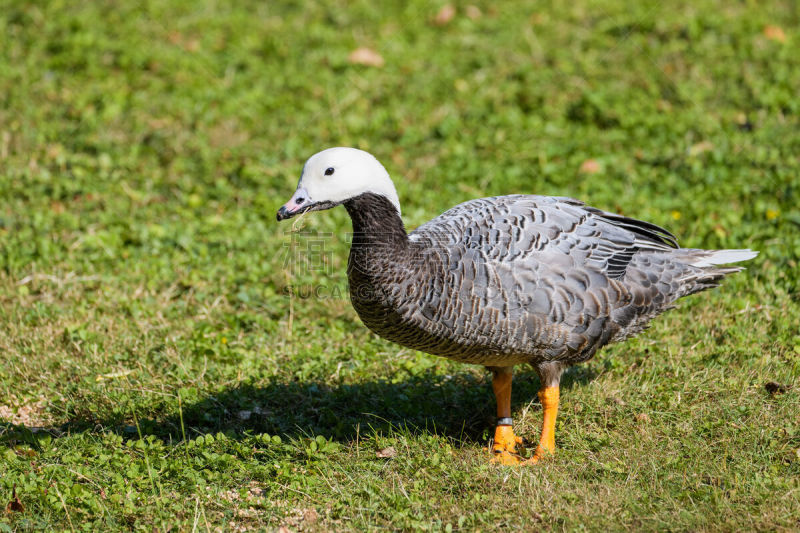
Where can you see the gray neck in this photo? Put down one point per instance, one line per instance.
(376, 221)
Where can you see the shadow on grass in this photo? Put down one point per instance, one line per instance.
(461, 407)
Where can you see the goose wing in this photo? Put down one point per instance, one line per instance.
(530, 275)
(522, 228)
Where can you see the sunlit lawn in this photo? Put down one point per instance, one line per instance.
(164, 364)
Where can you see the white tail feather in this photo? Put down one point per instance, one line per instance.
(723, 257)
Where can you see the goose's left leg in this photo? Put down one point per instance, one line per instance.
(550, 377)
(505, 442)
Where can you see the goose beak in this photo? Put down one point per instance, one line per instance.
(295, 205)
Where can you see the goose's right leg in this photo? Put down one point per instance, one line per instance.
(505, 442)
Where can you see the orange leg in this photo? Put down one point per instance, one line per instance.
(547, 444)
(505, 442)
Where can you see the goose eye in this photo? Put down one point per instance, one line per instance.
(329, 171)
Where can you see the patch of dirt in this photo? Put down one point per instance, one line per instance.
(386, 453)
(27, 414)
(299, 520)
(249, 513)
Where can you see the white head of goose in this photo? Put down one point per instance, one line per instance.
(336, 175)
(505, 280)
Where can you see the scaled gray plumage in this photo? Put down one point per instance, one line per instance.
(516, 279)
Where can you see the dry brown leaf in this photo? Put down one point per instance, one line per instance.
(774, 33)
(699, 148)
(741, 118)
(776, 388)
(445, 15)
(15, 506)
(590, 166)
(644, 418)
(386, 453)
(473, 12)
(25, 452)
(189, 44)
(366, 56)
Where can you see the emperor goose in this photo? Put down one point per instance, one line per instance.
(504, 280)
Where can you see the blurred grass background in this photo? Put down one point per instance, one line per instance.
(145, 317)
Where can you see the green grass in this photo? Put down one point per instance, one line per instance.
(147, 321)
